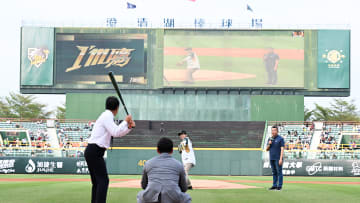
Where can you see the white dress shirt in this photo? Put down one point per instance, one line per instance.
(105, 127)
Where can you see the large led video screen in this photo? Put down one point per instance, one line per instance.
(222, 58)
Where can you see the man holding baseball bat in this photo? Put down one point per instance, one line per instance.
(99, 141)
(276, 147)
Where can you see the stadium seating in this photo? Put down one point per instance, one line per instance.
(33, 126)
(339, 149)
(17, 147)
(7, 125)
(297, 140)
(73, 138)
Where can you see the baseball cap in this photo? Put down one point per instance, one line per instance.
(182, 132)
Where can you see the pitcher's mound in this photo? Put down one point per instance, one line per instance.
(197, 184)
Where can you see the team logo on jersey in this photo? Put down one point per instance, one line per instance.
(333, 58)
(92, 56)
(37, 56)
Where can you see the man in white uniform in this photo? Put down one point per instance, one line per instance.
(187, 155)
(99, 141)
(192, 65)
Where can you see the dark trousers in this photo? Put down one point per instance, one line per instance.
(98, 173)
(272, 76)
(277, 173)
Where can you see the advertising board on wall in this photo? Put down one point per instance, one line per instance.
(36, 165)
(317, 167)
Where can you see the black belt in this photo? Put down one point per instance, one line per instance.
(97, 146)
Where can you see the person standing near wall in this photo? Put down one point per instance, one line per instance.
(275, 147)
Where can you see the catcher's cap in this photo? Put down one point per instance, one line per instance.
(182, 132)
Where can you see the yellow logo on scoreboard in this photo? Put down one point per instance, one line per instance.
(333, 58)
(108, 57)
(37, 56)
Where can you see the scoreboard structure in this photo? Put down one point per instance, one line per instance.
(187, 74)
(67, 60)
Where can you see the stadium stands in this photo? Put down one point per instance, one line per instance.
(7, 124)
(73, 137)
(297, 139)
(27, 138)
(300, 136)
(332, 145)
(32, 138)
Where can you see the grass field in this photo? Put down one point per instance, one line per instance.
(79, 191)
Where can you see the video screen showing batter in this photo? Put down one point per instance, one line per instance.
(205, 58)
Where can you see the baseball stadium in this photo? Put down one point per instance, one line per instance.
(226, 88)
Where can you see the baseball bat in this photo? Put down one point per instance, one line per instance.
(114, 83)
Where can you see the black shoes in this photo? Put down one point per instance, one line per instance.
(190, 188)
(273, 188)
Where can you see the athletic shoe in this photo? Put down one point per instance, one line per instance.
(273, 188)
(279, 188)
(190, 188)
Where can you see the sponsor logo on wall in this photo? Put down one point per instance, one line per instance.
(318, 168)
(43, 166)
(7, 166)
(82, 167)
(355, 169)
(30, 167)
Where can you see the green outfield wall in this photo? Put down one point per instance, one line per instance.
(153, 105)
(208, 162)
(277, 107)
(148, 105)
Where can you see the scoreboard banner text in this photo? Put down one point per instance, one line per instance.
(81, 60)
